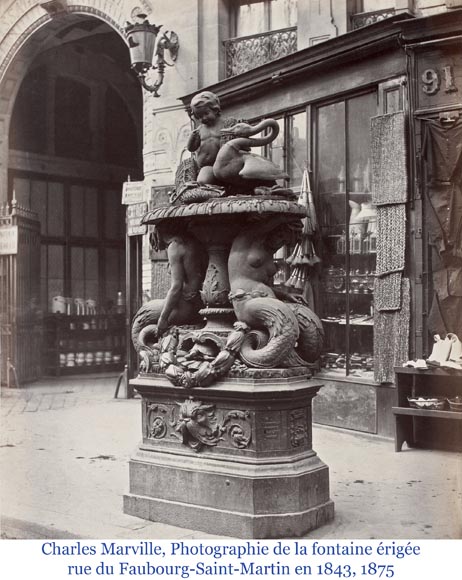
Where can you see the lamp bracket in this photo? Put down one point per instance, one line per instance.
(169, 41)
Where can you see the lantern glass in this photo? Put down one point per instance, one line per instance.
(141, 43)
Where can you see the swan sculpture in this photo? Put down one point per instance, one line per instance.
(235, 164)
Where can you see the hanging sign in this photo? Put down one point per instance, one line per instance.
(135, 212)
(132, 192)
(8, 240)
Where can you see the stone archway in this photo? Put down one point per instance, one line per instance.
(29, 27)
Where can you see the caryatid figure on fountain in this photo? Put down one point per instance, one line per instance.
(285, 332)
(187, 262)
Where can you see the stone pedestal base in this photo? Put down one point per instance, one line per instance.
(233, 459)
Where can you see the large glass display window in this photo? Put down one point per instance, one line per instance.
(290, 152)
(82, 238)
(347, 233)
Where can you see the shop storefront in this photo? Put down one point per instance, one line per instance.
(373, 116)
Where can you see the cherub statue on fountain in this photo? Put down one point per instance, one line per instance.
(222, 152)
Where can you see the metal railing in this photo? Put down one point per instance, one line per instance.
(20, 321)
(248, 52)
(365, 18)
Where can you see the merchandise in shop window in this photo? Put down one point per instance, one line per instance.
(348, 234)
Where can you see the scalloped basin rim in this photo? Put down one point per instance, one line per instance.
(229, 205)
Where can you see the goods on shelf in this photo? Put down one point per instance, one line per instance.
(428, 410)
(347, 281)
(82, 343)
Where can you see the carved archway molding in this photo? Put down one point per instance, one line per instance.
(24, 28)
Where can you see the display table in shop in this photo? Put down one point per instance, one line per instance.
(427, 427)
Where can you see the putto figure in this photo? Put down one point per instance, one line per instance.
(222, 148)
(205, 140)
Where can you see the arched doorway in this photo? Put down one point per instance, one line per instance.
(75, 134)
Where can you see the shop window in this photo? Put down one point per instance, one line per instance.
(84, 211)
(297, 147)
(348, 233)
(77, 264)
(84, 273)
(55, 213)
(114, 263)
(289, 152)
(255, 17)
(289, 149)
(278, 147)
(52, 271)
(82, 237)
(38, 202)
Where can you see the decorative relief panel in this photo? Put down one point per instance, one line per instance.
(298, 428)
(243, 54)
(156, 421)
(168, 143)
(198, 425)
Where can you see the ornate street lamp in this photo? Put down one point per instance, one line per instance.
(147, 51)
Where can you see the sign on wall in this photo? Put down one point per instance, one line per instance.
(8, 240)
(135, 212)
(132, 192)
(439, 78)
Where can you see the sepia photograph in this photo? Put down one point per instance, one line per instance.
(231, 283)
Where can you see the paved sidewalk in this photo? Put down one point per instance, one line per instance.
(65, 446)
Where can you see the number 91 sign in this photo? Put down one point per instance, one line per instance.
(439, 77)
(433, 80)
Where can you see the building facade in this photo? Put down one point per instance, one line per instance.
(342, 78)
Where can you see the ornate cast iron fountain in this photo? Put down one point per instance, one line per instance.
(234, 348)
